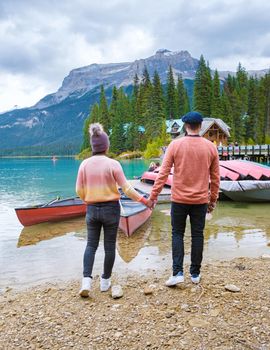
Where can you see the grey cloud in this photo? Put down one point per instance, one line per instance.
(219, 30)
(39, 33)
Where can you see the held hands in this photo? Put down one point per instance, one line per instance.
(151, 204)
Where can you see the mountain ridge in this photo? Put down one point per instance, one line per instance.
(83, 79)
(59, 117)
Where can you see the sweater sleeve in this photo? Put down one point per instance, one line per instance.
(80, 185)
(215, 178)
(125, 185)
(163, 172)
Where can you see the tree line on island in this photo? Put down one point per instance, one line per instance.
(136, 121)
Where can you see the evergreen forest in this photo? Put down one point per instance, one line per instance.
(136, 121)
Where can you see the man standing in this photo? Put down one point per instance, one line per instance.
(195, 161)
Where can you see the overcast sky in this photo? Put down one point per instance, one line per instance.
(41, 41)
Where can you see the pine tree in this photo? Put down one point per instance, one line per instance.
(187, 103)
(202, 94)
(238, 117)
(216, 98)
(267, 104)
(242, 88)
(263, 120)
(104, 117)
(121, 121)
(171, 105)
(93, 118)
(239, 103)
(180, 97)
(235, 89)
(113, 105)
(145, 103)
(133, 135)
(135, 103)
(156, 115)
(252, 111)
(145, 91)
(94, 115)
(230, 84)
(117, 125)
(227, 113)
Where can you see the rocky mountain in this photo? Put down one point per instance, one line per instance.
(82, 80)
(56, 121)
(54, 129)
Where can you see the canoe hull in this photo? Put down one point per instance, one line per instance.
(150, 177)
(131, 223)
(133, 214)
(247, 190)
(33, 216)
(258, 196)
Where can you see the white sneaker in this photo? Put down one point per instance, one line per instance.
(86, 287)
(174, 280)
(105, 284)
(195, 278)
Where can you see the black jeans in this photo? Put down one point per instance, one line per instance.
(179, 213)
(98, 215)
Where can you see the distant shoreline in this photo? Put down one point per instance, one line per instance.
(14, 157)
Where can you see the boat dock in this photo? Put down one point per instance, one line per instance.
(255, 153)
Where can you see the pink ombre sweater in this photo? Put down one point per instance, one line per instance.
(99, 178)
(195, 162)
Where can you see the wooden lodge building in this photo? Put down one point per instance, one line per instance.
(213, 129)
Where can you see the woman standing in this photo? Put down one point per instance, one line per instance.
(97, 185)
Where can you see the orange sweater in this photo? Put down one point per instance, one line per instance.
(195, 162)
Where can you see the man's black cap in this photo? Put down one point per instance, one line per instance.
(192, 118)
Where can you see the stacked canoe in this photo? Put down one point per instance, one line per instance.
(243, 170)
(240, 180)
(245, 181)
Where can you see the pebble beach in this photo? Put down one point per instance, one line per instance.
(229, 309)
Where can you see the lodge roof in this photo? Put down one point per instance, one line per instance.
(208, 122)
(171, 122)
(206, 125)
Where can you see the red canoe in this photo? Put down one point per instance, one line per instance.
(226, 174)
(248, 170)
(56, 210)
(133, 214)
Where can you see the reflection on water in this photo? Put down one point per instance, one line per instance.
(128, 247)
(53, 251)
(240, 218)
(34, 234)
(230, 221)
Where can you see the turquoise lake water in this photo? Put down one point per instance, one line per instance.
(27, 181)
(53, 251)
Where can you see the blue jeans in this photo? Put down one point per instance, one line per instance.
(179, 213)
(98, 215)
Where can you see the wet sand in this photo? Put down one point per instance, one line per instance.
(204, 316)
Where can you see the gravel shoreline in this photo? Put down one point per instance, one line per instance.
(149, 315)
